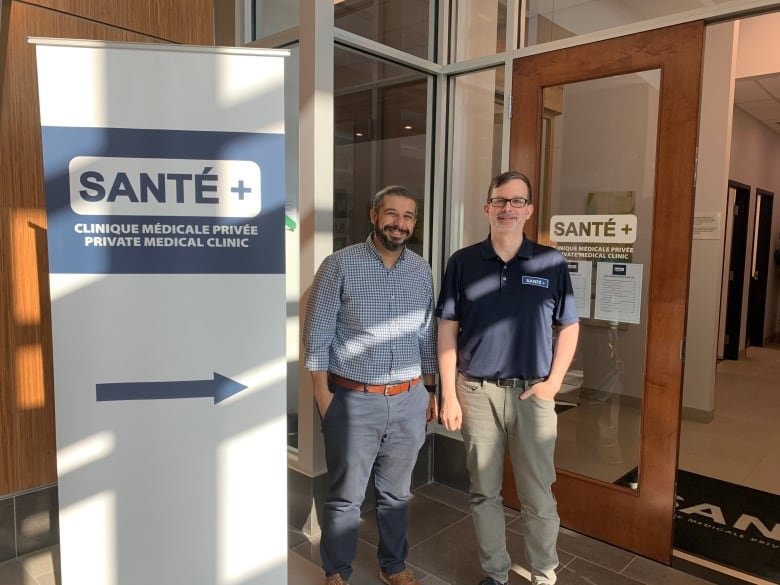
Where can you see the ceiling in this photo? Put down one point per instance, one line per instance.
(759, 97)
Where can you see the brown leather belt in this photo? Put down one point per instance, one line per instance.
(386, 389)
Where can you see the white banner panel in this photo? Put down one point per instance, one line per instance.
(164, 170)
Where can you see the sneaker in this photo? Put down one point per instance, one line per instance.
(490, 581)
(405, 577)
(335, 579)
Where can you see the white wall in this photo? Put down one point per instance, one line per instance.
(711, 188)
(759, 45)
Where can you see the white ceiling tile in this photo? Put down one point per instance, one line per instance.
(764, 110)
(748, 90)
(771, 83)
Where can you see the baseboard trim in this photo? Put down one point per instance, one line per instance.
(697, 414)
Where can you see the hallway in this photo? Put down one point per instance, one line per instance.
(741, 444)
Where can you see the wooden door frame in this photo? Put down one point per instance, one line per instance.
(642, 520)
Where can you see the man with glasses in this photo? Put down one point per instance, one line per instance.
(500, 369)
(369, 336)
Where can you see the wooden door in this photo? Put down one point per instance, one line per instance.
(628, 417)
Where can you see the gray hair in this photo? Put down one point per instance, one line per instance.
(379, 198)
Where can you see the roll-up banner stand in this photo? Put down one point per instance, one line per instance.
(164, 171)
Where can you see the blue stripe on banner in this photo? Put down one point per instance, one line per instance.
(209, 237)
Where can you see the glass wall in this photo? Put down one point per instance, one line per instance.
(552, 20)
(406, 25)
(475, 147)
(274, 16)
(477, 29)
(381, 127)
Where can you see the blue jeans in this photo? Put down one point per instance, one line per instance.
(365, 432)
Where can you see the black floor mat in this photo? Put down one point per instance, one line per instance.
(728, 524)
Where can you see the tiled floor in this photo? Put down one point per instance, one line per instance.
(443, 551)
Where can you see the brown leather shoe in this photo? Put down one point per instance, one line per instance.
(405, 577)
(335, 579)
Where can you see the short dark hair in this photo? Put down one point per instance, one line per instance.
(507, 176)
(379, 197)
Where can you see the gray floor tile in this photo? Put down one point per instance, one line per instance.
(12, 573)
(47, 579)
(37, 520)
(295, 537)
(452, 555)
(581, 572)
(445, 495)
(7, 530)
(426, 518)
(597, 552)
(431, 580)
(301, 571)
(365, 565)
(42, 562)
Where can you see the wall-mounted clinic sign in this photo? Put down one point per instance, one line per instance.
(164, 170)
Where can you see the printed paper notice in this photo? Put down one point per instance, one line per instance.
(581, 272)
(618, 292)
(706, 226)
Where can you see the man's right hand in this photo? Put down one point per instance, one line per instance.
(450, 414)
(323, 402)
(322, 394)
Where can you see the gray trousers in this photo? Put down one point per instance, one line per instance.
(494, 418)
(365, 432)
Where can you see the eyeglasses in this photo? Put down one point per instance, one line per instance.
(514, 201)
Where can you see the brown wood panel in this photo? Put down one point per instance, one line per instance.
(27, 444)
(641, 521)
(190, 22)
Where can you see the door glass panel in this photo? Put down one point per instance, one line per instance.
(596, 207)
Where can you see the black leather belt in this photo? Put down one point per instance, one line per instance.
(523, 383)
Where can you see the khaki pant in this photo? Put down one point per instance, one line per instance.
(493, 418)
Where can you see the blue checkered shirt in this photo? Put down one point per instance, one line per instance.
(370, 323)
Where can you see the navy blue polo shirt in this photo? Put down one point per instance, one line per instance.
(506, 311)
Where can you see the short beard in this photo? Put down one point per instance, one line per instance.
(387, 243)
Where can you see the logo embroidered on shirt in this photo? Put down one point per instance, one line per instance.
(536, 281)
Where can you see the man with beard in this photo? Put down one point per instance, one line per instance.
(500, 302)
(370, 340)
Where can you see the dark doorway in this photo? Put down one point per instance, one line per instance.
(760, 268)
(740, 195)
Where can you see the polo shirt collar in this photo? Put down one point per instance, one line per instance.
(526, 250)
